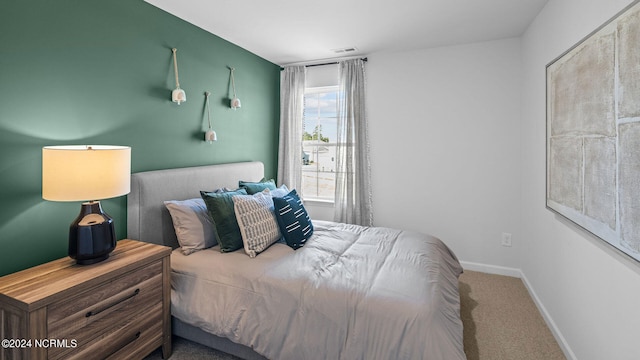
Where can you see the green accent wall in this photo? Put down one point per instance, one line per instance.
(101, 72)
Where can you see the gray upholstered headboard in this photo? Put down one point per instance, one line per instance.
(148, 219)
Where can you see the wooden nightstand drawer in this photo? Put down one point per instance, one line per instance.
(118, 308)
(127, 341)
(108, 306)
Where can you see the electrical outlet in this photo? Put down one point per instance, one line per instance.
(506, 239)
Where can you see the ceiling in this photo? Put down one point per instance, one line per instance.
(299, 31)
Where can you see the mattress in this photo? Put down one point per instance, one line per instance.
(351, 292)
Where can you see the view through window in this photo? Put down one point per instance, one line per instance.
(319, 137)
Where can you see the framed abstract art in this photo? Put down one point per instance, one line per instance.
(593, 132)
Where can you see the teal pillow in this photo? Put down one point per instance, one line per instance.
(220, 207)
(293, 220)
(256, 187)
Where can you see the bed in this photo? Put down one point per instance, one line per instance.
(350, 292)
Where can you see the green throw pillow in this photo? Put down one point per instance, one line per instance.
(220, 206)
(256, 187)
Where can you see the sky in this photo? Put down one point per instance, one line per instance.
(320, 108)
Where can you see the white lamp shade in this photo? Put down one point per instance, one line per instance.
(85, 172)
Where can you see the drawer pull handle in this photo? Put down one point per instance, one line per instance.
(98, 311)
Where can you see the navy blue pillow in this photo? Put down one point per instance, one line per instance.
(293, 220)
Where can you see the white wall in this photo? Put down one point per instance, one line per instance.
(444, 126)
(589, 290)
(458, 151)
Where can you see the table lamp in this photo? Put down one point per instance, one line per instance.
(87, 173)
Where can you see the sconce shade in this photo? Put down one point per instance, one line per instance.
(81, 173)
(235, 103)
(210, 136)
(178, 96)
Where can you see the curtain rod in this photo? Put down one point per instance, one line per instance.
(328, 63)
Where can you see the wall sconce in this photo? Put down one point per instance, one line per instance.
(210, 136)
(235, 102)
(87, 173)
(177, 95)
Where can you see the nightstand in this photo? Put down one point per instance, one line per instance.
(118, 308)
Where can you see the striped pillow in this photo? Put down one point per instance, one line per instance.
(293, 220)
(257, 222)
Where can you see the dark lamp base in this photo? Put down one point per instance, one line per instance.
(92, 235)
(91, 261)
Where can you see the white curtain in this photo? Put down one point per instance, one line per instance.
(353, 203)
(292, 83)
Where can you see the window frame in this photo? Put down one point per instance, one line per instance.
(314, 91)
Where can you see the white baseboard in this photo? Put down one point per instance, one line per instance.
(491, 269)
(513, 272)
(547, 318)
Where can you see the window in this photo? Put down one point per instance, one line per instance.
(319, 136)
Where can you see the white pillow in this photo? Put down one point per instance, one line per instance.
(282, 191)
(257, 222)
(192, 223)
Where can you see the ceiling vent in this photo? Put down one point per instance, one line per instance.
(345, 50)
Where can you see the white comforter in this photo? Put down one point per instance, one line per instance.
(351, 292)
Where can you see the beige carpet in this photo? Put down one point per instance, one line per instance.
(501, 322)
